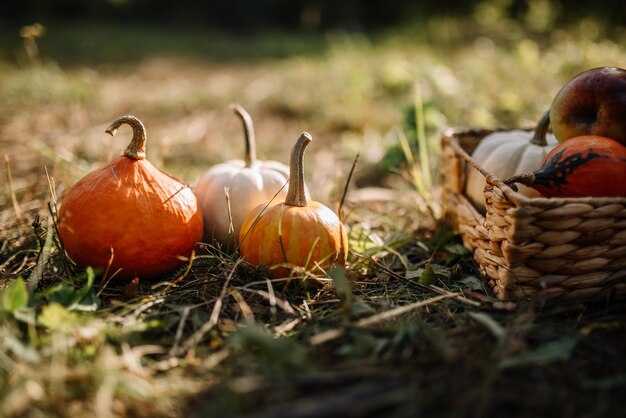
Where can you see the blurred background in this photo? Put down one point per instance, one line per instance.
(314, 15)
(353, 73)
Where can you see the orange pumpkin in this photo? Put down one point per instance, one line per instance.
(296, 233)
(587, 165)
(131, 215)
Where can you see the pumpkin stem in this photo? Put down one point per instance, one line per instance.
(248, 129)
(136, 150)
(539, 138)
(527, 179)
(296, 195)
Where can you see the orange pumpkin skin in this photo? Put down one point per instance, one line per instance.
(298, 232)
(298, 236)
(587, 165)
(129, 211)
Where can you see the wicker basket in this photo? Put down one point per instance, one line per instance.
(555, 249)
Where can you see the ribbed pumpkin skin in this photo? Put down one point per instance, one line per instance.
(147, 217)
(312, 233)
(248, 187)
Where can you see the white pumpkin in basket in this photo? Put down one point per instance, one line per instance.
(505, 154)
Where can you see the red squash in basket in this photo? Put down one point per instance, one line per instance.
(584, 166)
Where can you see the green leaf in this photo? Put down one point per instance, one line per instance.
(61, 293)
(428, 275)
(546, 353)
(65, 294)
(457, 249)
(360, 308)
(343, 287)
(55, 316)
(82, 292)
(282, 353)
(441, 271)
(472, 283)
(15, 297)
(85, 298)
(491, 324)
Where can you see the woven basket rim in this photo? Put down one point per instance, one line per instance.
(451, 134)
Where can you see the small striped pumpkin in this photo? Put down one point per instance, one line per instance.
(298, 232)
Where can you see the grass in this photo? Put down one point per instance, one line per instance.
(230, 340)
(408, 328)
(66, 42)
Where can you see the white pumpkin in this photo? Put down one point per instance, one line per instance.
(505, 154)
(249, 182)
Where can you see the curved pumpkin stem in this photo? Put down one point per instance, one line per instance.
(136, 150)
(248, 129)
(539, 138)
(527, 179)
(296, 195)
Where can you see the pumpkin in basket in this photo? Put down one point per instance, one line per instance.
(128, 216)
(298, 232)
(507, 153)
(249, 182)
(589, 165)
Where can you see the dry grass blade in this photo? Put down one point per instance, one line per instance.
(52, 188)
(400, 310)
(231, 228)
(416, 175)
(42, 259)
(175, 193)
(16, 206)
(173, 283)
(105, 277)
(272, 299)
(179, 331)
(262, 212)
(420, 127)
(197, 336)
(282, 329)
(347, 186)
(326, 336)
(245, 309)
(459, 298)
(280, 237)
